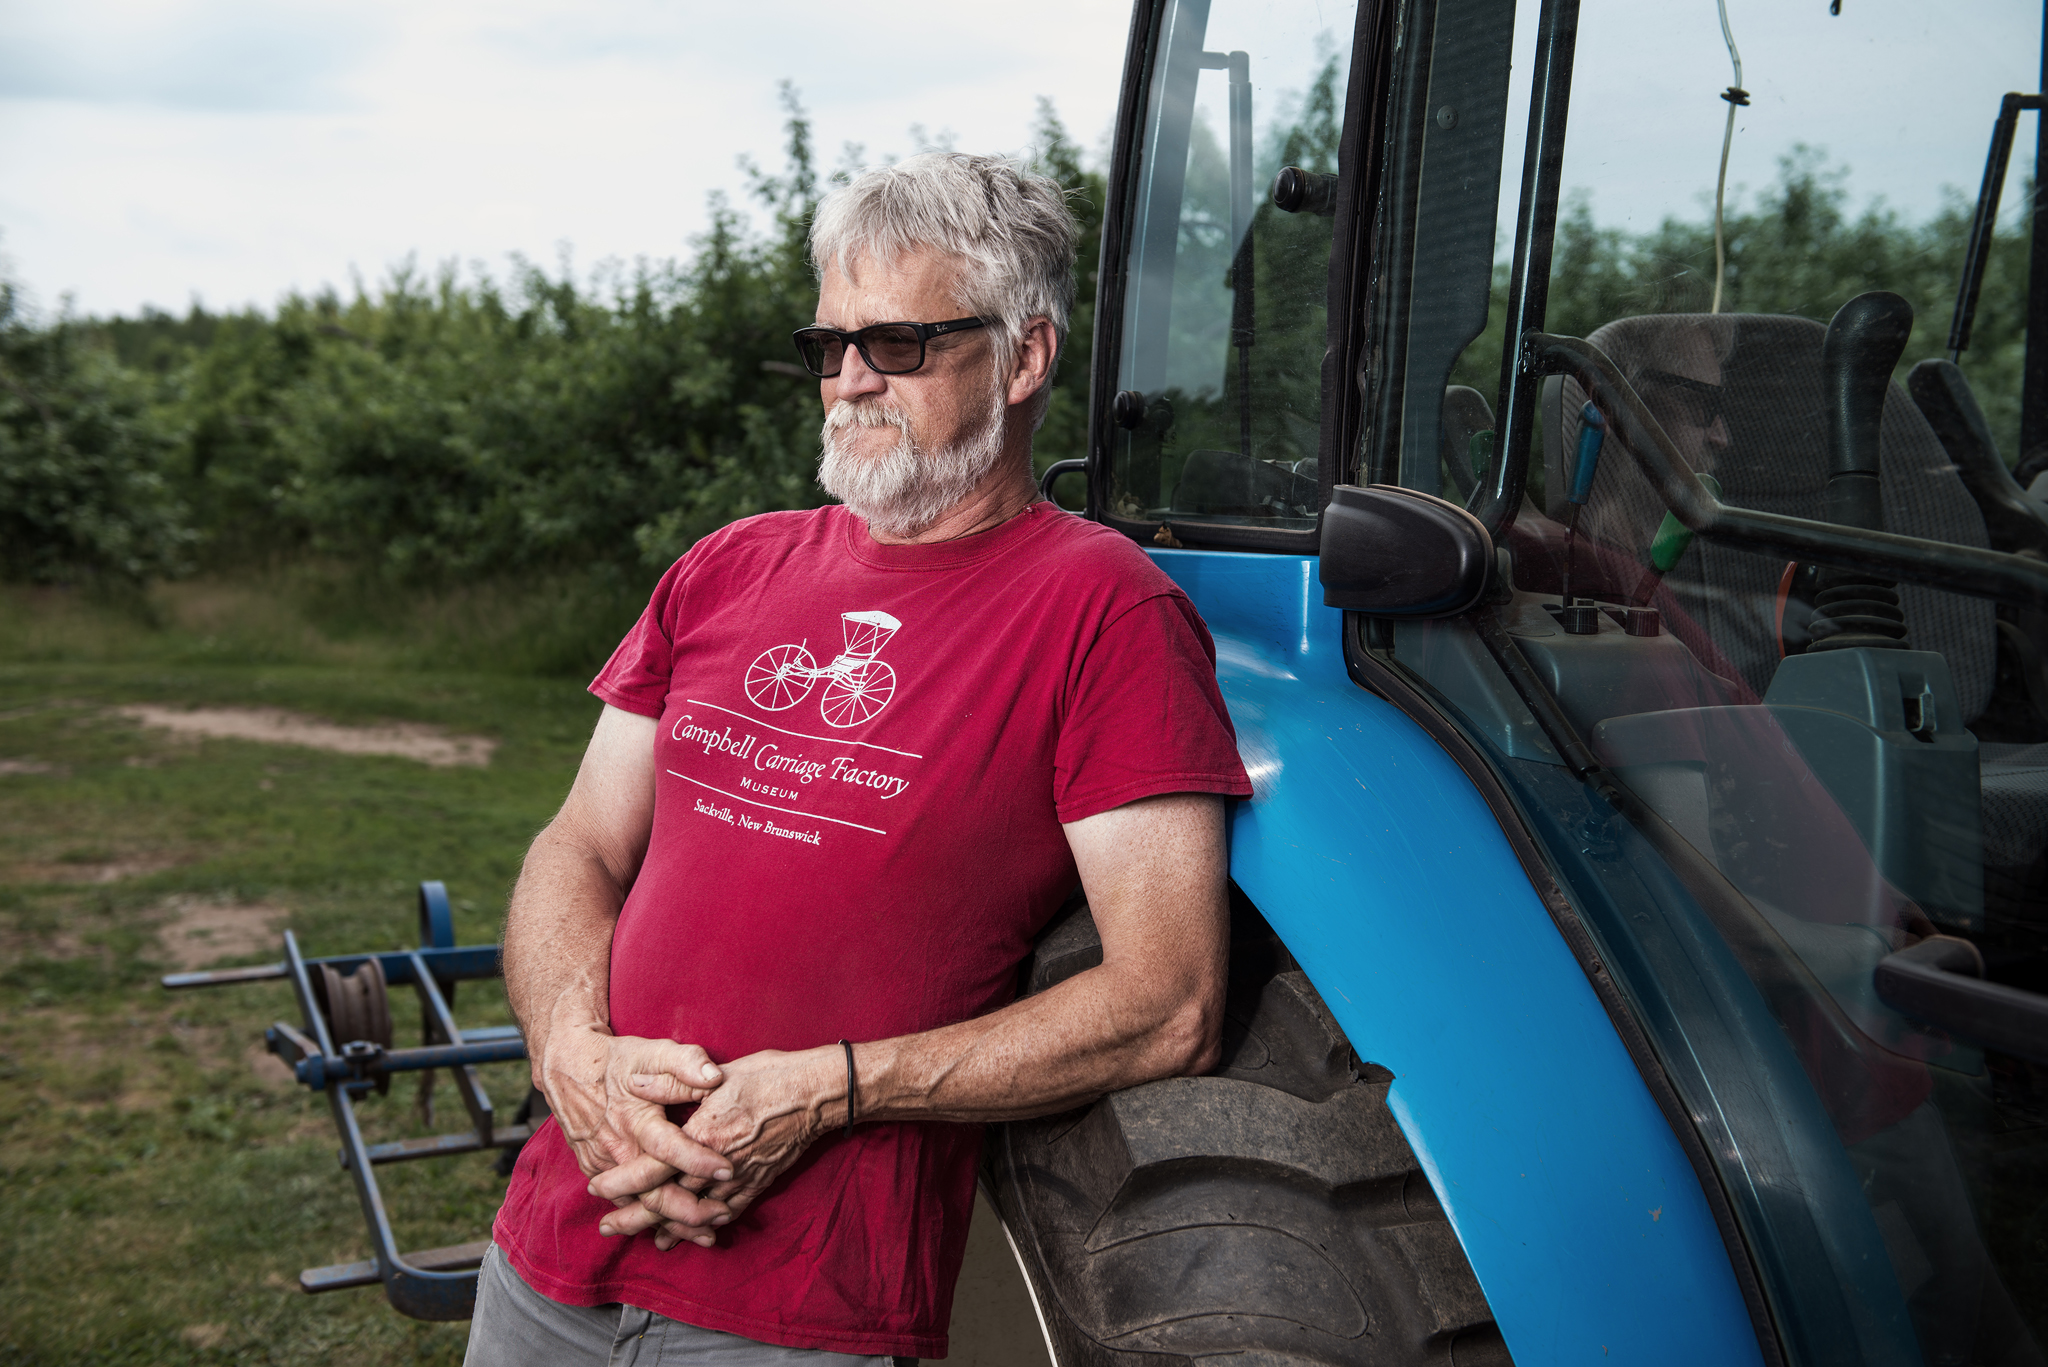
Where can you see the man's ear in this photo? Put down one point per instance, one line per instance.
(1036, 351)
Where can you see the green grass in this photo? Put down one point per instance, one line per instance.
(160, 1187)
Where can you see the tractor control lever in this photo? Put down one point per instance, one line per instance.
(1863, 343)
(1580, 621)
(1669, 546)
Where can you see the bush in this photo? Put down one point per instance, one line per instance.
(458, 429)
(83, 493)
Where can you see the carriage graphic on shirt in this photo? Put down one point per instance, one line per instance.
(857, 685)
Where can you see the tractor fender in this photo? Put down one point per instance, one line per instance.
(1389, 880)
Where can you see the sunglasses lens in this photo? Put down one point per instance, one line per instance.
(822, 352)
(892, 350)
(1692, 405)
(1702, 410)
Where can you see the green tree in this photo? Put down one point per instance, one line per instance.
(1064, 436)
(82, 486)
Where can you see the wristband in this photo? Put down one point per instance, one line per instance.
(848, 1047)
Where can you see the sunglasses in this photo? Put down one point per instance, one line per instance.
(1683, 398)
(886, 348)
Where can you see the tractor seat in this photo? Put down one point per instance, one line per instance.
(1770, 453)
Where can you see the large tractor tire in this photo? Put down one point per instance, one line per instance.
(1271, 1210)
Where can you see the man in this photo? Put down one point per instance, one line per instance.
(851, 761)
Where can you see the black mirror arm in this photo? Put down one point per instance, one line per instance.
(1941, 981)
(1054, 471)
(2021, 580)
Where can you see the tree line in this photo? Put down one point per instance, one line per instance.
(443, 428)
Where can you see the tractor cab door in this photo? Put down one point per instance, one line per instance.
(1228, 209)
(1762, 666)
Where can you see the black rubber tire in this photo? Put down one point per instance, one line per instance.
(1271, 1210)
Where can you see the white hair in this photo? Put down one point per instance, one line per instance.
(1009, 228)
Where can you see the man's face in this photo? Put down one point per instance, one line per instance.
(902, 449)
(1685, 394)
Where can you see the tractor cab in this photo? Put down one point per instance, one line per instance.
(1666, 446)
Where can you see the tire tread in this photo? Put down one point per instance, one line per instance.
(1271, 1210)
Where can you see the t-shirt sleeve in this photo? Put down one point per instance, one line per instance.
(1144, 715)
(637, 676)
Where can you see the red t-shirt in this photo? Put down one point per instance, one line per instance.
(864, 758)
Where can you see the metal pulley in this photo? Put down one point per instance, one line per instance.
(357, 1005)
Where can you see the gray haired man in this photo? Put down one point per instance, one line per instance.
(851, 760)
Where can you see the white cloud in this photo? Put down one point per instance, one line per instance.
(186, 54)
(470, 130)
(154, 150)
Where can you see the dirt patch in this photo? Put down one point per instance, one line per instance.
(61, 944)
(25, 766)
(274, 726)
(201, 932)
(92, 870)
(269, 1068)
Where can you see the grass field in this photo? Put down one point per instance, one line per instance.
(161, 1180)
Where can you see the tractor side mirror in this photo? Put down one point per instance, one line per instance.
(1394, 552)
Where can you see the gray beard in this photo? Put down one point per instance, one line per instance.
(905, 489)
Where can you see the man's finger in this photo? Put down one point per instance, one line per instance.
(667, 1089)
(628, 1220)
(693, 1217)
(687, 1064)
(668, 1235)
(659, 1138)
(738, 1202)
(689, 1209)
(644, 1173)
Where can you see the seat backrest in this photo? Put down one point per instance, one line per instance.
(1775, 460)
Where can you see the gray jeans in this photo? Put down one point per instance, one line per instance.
(516, 1326)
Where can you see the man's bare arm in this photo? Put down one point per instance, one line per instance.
(557, 956)
(1155, 872)
(558, 927)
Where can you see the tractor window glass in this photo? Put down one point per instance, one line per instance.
(1861, 757)
(1219, 376)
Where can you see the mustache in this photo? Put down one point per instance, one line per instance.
(847, 413)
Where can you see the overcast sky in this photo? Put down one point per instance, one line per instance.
(153, 151)
(157, 151)
(1901, 93)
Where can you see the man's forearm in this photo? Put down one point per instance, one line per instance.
(558, 943)
(558, 926)
(1095, 1033)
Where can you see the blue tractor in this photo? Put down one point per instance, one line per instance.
(1642, 914)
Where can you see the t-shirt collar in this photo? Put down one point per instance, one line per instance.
(966, 550)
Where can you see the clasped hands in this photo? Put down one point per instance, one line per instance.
(755, 1116)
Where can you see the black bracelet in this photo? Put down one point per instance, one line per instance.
(848, 1047)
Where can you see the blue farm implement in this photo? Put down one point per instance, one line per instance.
(343, 1048)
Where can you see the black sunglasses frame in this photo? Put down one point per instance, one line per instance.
(1706, 399)
(858, 340)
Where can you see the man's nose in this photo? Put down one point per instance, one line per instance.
(856, 379)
